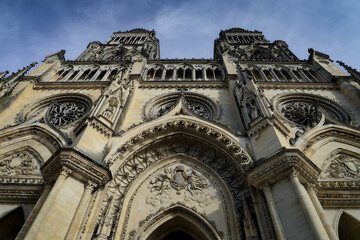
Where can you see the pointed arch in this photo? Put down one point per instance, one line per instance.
(224, 158)
(206, 130)
(177, 218)
(38, 136)
(347, 226)
(316, 142)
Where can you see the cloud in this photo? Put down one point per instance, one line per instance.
(30, 30)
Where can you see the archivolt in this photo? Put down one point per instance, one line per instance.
(178, 212)
(41, 133)
(207, 130)
(328, 132)
(176, 143)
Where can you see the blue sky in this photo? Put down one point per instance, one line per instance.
(32, 29)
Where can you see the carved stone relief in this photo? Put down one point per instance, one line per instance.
(342, 166)
(174, 179)
(188, 184)
(21, 163)
(20, 166)
(198, 104)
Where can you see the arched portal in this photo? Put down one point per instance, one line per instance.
(178, 223)
(157, 166)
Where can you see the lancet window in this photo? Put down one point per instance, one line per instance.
(73, 73)
(184, 73)
(284, 74)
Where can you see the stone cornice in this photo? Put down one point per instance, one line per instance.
(280, 165)
(339, 193)
(298, 85)
(20, 193)
(339, 198)
(179, 61)
(81, 167)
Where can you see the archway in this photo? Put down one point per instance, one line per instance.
(177, 222)
(348, 227)
(199, 154)
(178, 235)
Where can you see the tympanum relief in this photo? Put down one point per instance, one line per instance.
(20, 167)
(342, 166)
(182, 183)
(178, 184)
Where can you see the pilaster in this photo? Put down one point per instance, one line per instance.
(75, 177)
(291, 169)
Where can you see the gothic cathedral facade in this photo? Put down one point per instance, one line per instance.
(121, 144)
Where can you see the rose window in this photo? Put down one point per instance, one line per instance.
(302, 113)
(64, 113)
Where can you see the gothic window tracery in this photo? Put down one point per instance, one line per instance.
(306, 110)
(198, 104)
(63, 113)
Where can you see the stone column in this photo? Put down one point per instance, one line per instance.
(330, 231)
(80, 211)
(36, 225)
(308, 208)
(273, 212)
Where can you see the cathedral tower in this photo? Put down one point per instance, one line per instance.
(121, 144)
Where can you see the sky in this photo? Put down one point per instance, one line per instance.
(33, 29)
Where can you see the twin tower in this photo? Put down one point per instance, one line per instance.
(121, 144)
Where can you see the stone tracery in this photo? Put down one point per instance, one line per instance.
(63, 113)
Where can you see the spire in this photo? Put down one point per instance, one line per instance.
(9, 83)
(353, 72)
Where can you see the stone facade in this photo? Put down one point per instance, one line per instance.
(121, 144)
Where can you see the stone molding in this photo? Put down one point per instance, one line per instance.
(346, 134)
(96, 124)
(298, 85)
(280, 165)
(44, 135)
(81, 167)
(177, 209)
(265, 122)
(228, 142)
(20, 194)
(38, 85)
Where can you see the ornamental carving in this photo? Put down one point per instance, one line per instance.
(342, 166)
(59, 110)
(301, 113)
(187, 183)
(196, 103)
(63, 113)
(20, 166)
(216, 159)
(306, 110)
